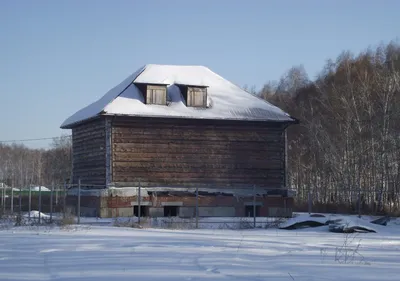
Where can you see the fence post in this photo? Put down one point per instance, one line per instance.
(51, 202)
(12, 200)
(65, 199)
(3, 199)
(40, 201)
(254, 207)
(139, 203)
(20, 201)
(29, 203)
(79, 201)
(56, 187)
(309, 201)
(197, 207)
(359, 202)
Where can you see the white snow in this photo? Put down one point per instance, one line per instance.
(343, 220)
(187, 223)
(35, 214)
(42, 188)
(298, 218)
(227, 100)
(107, 253)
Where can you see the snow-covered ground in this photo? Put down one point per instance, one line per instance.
(115, 253)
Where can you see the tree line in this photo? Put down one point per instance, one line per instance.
(346, 149)
(22, 167)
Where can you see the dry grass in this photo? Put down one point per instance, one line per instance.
(67, 220)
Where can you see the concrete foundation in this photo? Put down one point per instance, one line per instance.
(156, 212)
(217, 212)
(187, 212)
(117, 203)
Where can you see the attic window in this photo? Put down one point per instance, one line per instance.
(156, 94)
(196, 96)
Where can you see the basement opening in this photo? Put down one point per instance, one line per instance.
(171, 211)
(249, 211)
(143, 211)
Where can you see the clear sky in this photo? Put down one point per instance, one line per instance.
(58, 56)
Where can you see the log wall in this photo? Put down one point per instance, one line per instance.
(89, 153)
(181, 152)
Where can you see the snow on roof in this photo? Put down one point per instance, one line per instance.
(225, 100)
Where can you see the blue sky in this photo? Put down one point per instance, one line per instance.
(58, 56)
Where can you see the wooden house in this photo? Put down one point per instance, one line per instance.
(170, 127)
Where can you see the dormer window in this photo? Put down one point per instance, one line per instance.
(153, 94)
(156, 94)
(195, 96)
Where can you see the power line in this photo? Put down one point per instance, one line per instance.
(39, 139)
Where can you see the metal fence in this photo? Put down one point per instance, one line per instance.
(201, 207)
(235, 208)
(33, 201)
(175, 206)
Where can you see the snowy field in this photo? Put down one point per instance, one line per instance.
(116, 253)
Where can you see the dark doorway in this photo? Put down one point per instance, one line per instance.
(171, 211)
(249, 211)
(143, 211)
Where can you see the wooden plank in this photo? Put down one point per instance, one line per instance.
(209, 140)
(220, 149)
(88, 158)
(89, 151)
(190, 158)
(83, 164)
(193, 131)
(171, 165)
(153, 122)
(187, 181)
(206, 173)
(200, 182)
(82, 139)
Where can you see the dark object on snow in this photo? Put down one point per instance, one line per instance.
(335, 221)
(381, 221)
(317, 216)
(303, 224)
(343, 228)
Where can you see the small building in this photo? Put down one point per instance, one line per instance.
(174, 131)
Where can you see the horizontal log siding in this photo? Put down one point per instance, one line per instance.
(89, 153)
(177, 152)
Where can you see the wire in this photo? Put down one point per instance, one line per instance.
(39, 139)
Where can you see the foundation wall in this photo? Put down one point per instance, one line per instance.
(209, 206)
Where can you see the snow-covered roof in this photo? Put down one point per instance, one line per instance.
(225, 99)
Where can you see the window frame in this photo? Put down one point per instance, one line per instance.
(153, 94)
(192, 91)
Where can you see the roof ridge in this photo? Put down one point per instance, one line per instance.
(180, 65)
